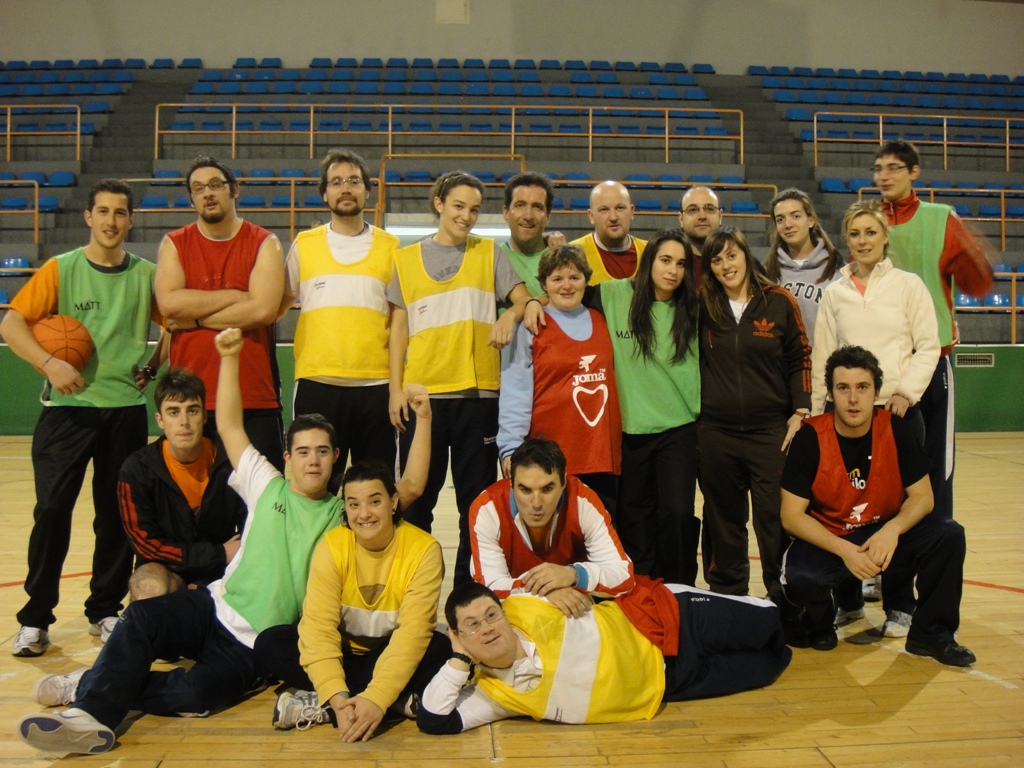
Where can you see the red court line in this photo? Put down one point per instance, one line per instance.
(993, 586)
(63, 576)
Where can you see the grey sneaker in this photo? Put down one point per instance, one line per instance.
(872, 589)
(73, 730)
(103, 628)
(57, 690)
(896, 624)
(31, 641)
(300, 710)
(844, 617)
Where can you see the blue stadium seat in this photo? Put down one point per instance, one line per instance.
(187, 63)
(832, 184)
(746, 207)
(964, 300)
(61, 179)
(153, 201)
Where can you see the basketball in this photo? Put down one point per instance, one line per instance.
(65, 338)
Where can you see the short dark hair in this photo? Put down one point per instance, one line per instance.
(530, 179)
(538, 452)
(115, 187)
(853, 357)
(206, 161)
(369, 470)
(446, 182)
(463, 595)
(567, 255)
(901, 148)
(343, 156)
(179, 385)
(305, 421)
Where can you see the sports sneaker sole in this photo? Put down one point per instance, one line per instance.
(54, 734)
(28, 653)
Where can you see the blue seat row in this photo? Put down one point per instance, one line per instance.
(54, 179)
(905, 100)
(60, 90)
(44, 64)
(595, 65)
(333, 125)
(892, 86)
(75, 76)
(874, 74)
(418, 88)
(47, 204)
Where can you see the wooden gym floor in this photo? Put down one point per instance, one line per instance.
(859, 705)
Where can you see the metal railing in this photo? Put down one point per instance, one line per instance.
(61, 108)
(512, 112)
(34, 212)
(943, 120)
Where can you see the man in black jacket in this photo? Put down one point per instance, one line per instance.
(180, 516)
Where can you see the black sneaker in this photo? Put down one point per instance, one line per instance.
(823, 639)
(950, 653)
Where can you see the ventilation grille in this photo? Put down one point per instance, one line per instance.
(975, 360)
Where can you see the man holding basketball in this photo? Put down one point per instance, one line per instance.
(96, 414)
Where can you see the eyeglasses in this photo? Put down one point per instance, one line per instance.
(693, 210)
(471, 626)
(214, 185)
(352, 181)
(890, 168)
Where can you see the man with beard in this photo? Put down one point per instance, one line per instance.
(611, 251)
(340, 272)
(700, 214)
(224, 272)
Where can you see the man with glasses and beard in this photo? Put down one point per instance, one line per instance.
(340, 273)
(222, 272)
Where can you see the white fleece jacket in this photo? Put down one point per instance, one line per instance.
(894, 319)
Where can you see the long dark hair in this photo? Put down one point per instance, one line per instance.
(684, 300)
(716, 302)
(775, 241)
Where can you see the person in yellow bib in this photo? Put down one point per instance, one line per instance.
(621, 659)
(611, 251)
(445, 335)
(340, 273)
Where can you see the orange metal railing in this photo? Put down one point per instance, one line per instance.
(512, 111)
(34, 212)
(944, 121)
(9, 133)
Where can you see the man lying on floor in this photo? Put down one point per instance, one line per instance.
(622, 659)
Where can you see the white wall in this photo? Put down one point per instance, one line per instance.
(945, 35)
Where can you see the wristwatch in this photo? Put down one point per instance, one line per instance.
(148, 371)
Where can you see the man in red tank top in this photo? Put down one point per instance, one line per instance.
(224, 272)
(856, 497)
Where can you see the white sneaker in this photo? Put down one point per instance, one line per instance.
(31, 641)
(300, 710)
(73, 730)
(844, 617)
(103, 628)
(58, 690)
(896, 624)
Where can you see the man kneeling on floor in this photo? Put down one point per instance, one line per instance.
(264, 585)
(616, 663)
(856, 497)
